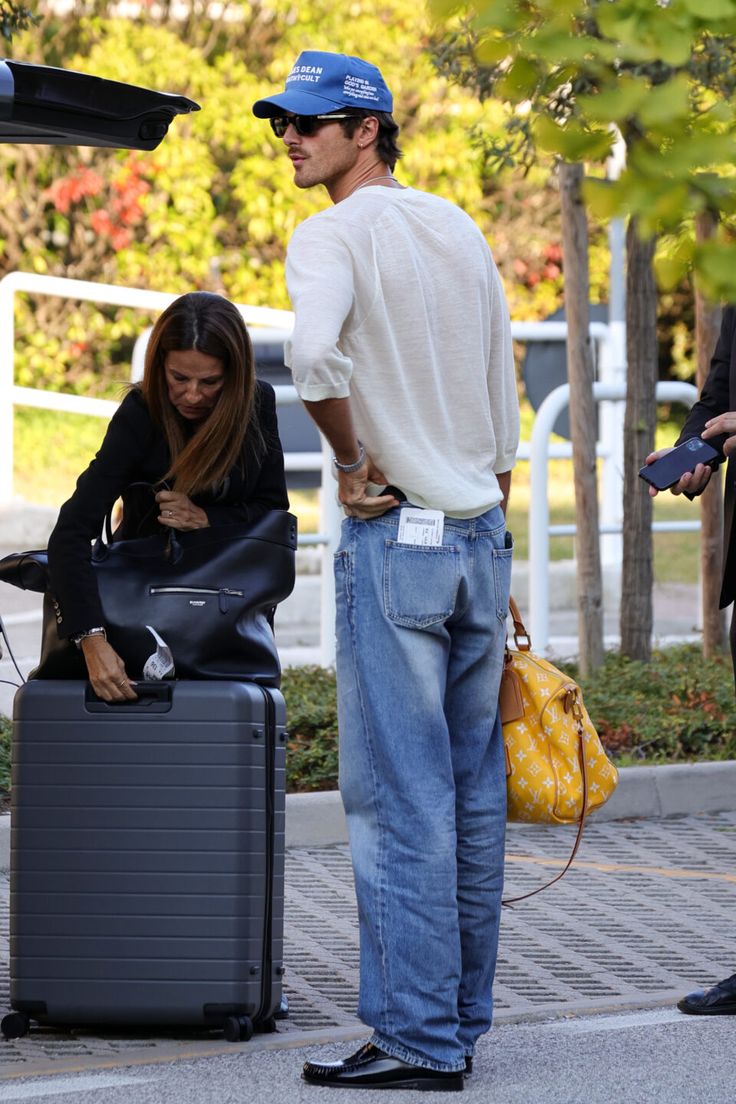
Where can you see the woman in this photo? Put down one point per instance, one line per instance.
(202, 431)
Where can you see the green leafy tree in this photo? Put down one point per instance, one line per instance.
(662, 74)
(13, 18)
(215, 204)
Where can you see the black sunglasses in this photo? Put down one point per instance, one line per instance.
(304, 125)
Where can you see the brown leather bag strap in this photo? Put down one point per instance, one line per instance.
(581, 824)
(521, 636)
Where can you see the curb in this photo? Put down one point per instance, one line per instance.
(297, 1040)
(678, 789)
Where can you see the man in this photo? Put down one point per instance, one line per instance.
(713, 417)
(402, 354)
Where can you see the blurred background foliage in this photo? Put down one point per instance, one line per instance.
(215, 205)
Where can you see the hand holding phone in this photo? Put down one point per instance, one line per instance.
(669, 469)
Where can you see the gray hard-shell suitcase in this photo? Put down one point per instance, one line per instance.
(147, 856)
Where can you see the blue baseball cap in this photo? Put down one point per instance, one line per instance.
(320, 82)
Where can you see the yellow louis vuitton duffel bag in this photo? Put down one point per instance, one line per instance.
(557, 770)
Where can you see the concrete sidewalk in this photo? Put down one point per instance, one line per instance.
(644, 916)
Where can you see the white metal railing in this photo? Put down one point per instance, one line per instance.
(539, 527)
(610, 340)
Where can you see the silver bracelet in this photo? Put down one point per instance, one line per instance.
(348, 468)
(98, 630)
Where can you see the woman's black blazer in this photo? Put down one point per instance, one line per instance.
(717, 397)
(135, 451)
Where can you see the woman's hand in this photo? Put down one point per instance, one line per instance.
(179, 512)
(106, 670)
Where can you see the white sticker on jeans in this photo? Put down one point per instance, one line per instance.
(420, 526)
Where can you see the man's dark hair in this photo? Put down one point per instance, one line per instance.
(387, 146)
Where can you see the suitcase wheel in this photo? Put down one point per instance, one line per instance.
(267, 1027)
(15, 1025)
(238, 1029)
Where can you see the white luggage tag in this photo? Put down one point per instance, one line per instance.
(160, 665)
(423, 527)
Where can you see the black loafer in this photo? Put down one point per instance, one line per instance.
(720, 1000)
(371, 1068)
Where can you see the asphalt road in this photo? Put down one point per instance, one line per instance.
(653, 1057)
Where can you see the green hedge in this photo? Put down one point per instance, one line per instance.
(678, 708)
(311, 718)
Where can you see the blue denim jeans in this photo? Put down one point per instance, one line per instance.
(420, 643)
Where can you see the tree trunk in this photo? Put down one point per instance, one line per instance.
(583, 420)
(707, 325)
(637, 575)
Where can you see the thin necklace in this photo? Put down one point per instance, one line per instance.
(386, 176)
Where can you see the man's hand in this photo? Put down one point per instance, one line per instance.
(352, 492)
(693, 483)
(722, 423)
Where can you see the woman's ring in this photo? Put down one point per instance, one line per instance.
(121, 683)
(170, 513)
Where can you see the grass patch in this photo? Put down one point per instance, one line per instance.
(51, 450)
(72, 440)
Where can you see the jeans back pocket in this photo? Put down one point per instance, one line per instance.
(420, 584)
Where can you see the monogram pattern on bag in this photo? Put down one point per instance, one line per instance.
(546, 782)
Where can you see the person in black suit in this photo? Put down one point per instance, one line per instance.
(195, 444)
(713, 417)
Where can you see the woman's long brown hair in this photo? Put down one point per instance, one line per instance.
(212, 325)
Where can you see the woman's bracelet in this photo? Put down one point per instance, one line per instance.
(98, 630)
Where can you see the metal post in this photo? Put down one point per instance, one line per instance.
(544, 422)
(330, 524)
(613, 371)
(7, 344)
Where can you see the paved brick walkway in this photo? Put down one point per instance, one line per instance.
(645, 914)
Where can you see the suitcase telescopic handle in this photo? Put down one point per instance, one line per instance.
(153, 697)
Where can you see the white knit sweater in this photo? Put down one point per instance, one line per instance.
(399, 306)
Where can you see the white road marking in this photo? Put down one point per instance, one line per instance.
(61, 1085)
(623, 1021)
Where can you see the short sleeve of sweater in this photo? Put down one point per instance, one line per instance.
(319, 276)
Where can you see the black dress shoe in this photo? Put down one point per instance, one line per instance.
(468, 1064)
(371, 1068)
(720, 1000)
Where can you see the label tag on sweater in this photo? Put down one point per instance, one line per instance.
(423, 527)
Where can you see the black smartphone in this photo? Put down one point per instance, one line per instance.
(669, 469)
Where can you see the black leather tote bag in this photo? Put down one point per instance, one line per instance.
(210, 593)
